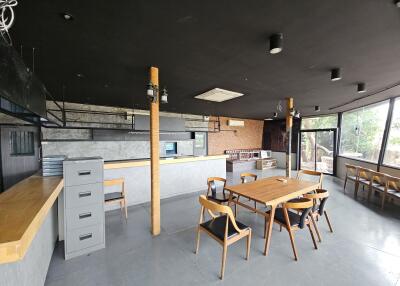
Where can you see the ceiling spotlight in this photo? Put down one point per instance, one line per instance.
(67, 16)
(336, 74)
(361, 87)
(275, 43)
(79, 75)
(317, 108)
(164, 96)
(275, 114)
(297, 114)
(397, 3)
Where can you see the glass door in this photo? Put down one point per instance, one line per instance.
(318, 150)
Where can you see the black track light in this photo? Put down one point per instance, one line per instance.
(317, 108)
(336, 74)
(275, 43)
(361, 87)
(275, 114)
(397, 3)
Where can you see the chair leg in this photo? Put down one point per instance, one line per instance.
(224, 250)
(121, 205)
(248, 245)
(316, 228)
(255, 206)
(383, 200)
(369, 193)
(280, 228)
(265, 227)
(312, 236)
(327, 220)
(126, 210)
(197, 240)
(345, 183)
(291, 235)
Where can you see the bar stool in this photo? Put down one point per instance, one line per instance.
(319, 198)
(118, 196)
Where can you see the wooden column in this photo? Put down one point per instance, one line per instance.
(155, 157)
(289, 125)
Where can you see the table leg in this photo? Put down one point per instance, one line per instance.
(269, 230)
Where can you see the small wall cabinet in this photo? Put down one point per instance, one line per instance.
(263, 164)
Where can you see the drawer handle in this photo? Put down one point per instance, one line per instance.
(85, 215)
(85, 194)
(84, 173)
(85, 236)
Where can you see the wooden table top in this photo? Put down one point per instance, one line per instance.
(23, 209)
(271, 191)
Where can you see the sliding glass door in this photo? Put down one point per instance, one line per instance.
(318, 150)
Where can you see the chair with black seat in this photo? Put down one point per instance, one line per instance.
(392, 189)
(223, 228)
(319, 198)
(293, 221)
(351, 174)
(218, 197)
(377, 183)
(363, 178)
(246, 178)
(301, 174)
(117, 196)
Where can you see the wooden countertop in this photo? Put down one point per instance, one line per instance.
(138, 163)
(23, 208)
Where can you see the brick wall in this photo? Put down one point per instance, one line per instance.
(249, 136)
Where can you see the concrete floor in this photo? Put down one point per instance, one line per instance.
(363, 250)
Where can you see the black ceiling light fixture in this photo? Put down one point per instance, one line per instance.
(361, 87)
(275, 114)
(336, 74)
(397, 3)
(317, 108)
(67, 16)
(276, 43)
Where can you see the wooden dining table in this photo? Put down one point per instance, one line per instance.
(271, 192)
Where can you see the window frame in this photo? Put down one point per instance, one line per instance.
(387, 133)
(382, 148)
(322, 115)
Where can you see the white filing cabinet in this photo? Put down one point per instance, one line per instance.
(83, 206)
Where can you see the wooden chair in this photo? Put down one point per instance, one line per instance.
(363, 178)
(223, 228)
(351, 174)
(318, 175)
(319, 198)
(377, 183)
(218, 197)
(293, 221)
(118, 196)
(392, 189)
(245, 178)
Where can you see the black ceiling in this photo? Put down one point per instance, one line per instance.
(199, 45)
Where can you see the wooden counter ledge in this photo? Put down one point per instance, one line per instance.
(138, 163)
(23, 208)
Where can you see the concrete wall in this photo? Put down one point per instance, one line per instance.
(247, 137)
(341, 168)
(175, 179)
(281, 159)
(110, 150)
(32, 270)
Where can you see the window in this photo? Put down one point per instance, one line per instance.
(392, 152)
(22, 143)
(319, 122)
(362, 132)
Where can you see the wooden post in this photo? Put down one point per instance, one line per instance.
(289, 124)
(155, 157)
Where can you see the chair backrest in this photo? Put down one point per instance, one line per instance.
(377, 177)
(316, 174)
(364, 173)
(212, 186)
(351, 170)
(244, 176)
(319, 194)
(393, 183)
(115, 182)
(213, 208)
(300, 203)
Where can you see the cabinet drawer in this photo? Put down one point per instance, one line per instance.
(76, 196)
(84, 216)
(81, 238)
(83, 172)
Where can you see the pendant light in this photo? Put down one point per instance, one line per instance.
(361, 87)
(276, 43)
(336, 74)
